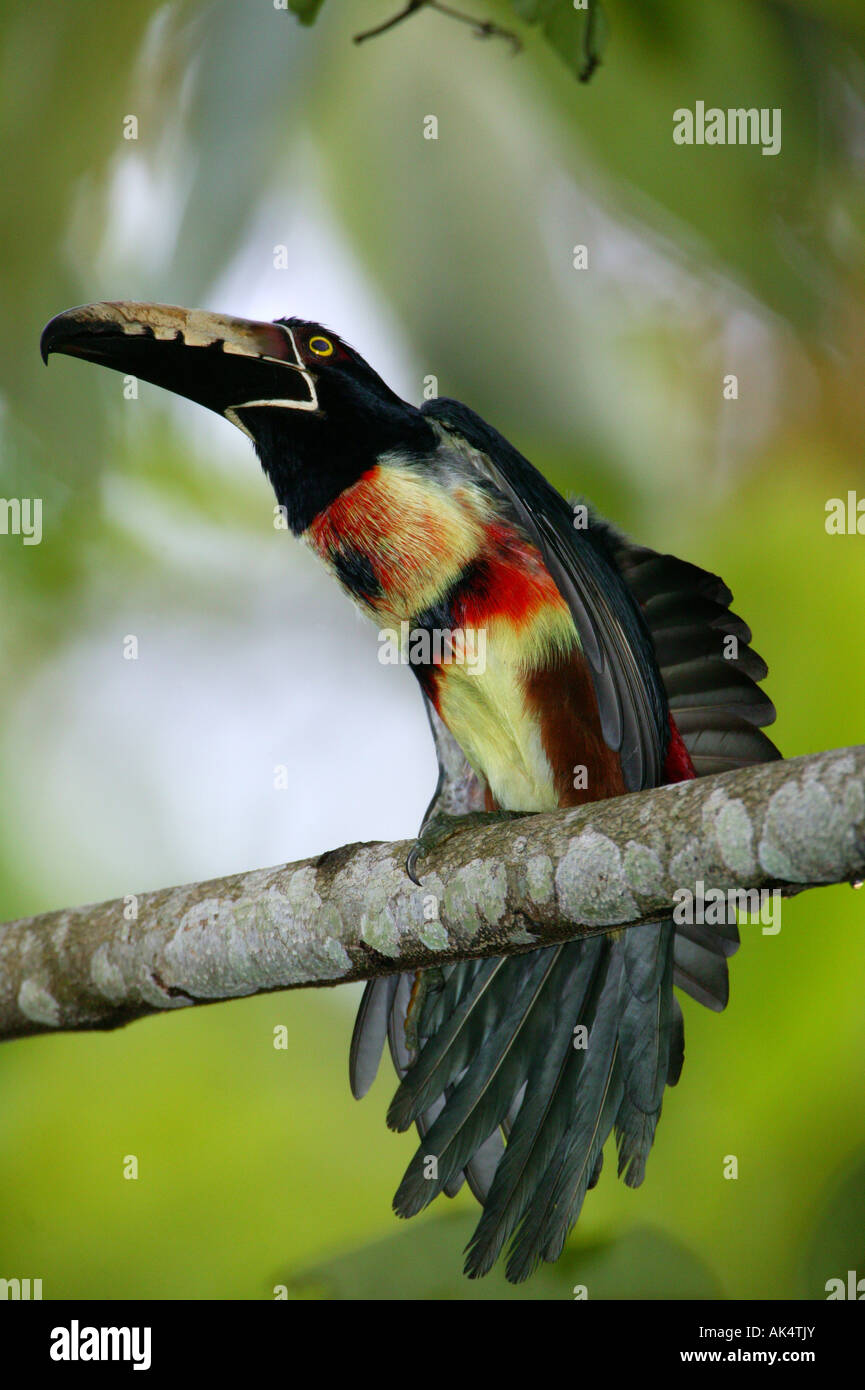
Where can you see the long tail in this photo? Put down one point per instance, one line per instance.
(558, 1047)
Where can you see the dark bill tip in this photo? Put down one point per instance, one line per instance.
(77, 330)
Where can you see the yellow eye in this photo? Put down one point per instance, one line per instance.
(322, 347)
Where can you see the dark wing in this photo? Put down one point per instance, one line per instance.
(709, 670)
(612, 633)
(711, 675)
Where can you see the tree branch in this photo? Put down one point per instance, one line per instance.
(353, 913)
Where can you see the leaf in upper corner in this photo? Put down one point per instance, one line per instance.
(577, 35)
(305, 10)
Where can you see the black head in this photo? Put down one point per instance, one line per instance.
(317, 413)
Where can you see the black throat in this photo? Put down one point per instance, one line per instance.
(311, 458)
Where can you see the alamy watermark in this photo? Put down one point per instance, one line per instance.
(20, 1289)
(436, 646)
(845, 518)
(853, 1287)
(715, 907)
(77, 1343)
(22, 516)
(736, 126)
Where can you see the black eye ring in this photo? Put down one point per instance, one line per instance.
(322, 347)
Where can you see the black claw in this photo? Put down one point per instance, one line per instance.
(414, 854)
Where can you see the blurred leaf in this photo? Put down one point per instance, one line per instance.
(534, 10)
(306, 10)
(424, 1262)
(766, 218)
(837, 1243)
(253, 137)
(578, 34)
(846, 14)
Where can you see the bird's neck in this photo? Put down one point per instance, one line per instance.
(431, 549)
(429, 552)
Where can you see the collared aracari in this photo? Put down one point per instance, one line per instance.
(601, 655)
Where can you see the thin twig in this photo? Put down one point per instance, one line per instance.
(411, 8)
(481, 28)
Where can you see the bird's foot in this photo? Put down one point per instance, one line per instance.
(440, 826)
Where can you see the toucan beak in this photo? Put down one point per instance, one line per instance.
(220, 362)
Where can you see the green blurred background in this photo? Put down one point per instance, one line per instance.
(450, 258)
